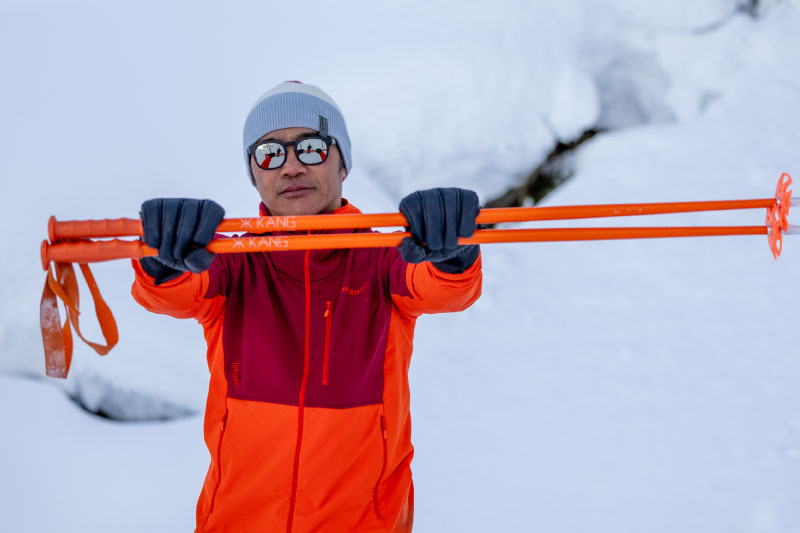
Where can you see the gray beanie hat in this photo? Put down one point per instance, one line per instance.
(293, 104)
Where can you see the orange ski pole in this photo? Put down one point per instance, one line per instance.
(96, 251)
(89, 251)
(58, 339)
(124, 227)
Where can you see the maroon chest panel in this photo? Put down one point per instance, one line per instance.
(264, 329)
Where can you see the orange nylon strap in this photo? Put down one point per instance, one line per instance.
(107, 323)
(58, 340)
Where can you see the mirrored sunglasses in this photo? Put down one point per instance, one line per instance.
(270, 155)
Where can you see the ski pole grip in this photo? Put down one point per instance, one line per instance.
(80, 229)
(93, 252)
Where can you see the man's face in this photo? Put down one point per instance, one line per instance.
(297, 189)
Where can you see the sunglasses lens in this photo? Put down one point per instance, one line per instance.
(312, 151)
(269, 155)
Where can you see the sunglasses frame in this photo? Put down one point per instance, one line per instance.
(252, 149)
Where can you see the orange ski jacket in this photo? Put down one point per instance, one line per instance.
(307, 420)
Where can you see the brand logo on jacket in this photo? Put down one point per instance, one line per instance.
(236, 374)
(354, 292)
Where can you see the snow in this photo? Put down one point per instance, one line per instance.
(66, 471)
(604, 386)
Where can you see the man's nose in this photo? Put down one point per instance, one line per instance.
(292, 166)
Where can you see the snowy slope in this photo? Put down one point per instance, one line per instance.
(65, 471)
(609, 386)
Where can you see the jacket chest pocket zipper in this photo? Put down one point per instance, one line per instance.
(327, 346)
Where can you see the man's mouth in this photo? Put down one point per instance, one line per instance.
(294, 191)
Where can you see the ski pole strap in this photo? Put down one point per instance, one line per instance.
(57, 339)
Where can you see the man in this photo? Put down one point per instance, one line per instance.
(307, 419)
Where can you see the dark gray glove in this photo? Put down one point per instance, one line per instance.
(180, 229)
(437, 218)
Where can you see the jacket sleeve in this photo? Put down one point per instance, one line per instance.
(182, 297)
(422, 288)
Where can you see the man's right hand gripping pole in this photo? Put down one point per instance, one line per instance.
(180, 229)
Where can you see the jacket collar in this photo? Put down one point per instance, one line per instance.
(323, 263)
(347, 208)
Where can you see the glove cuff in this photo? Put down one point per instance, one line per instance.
(464, 258)
(158, 270)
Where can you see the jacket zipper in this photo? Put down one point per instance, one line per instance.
(385, 437)
(328, 317)
(302, 398)
(219, 467)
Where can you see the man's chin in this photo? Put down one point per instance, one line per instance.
(295, 207)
